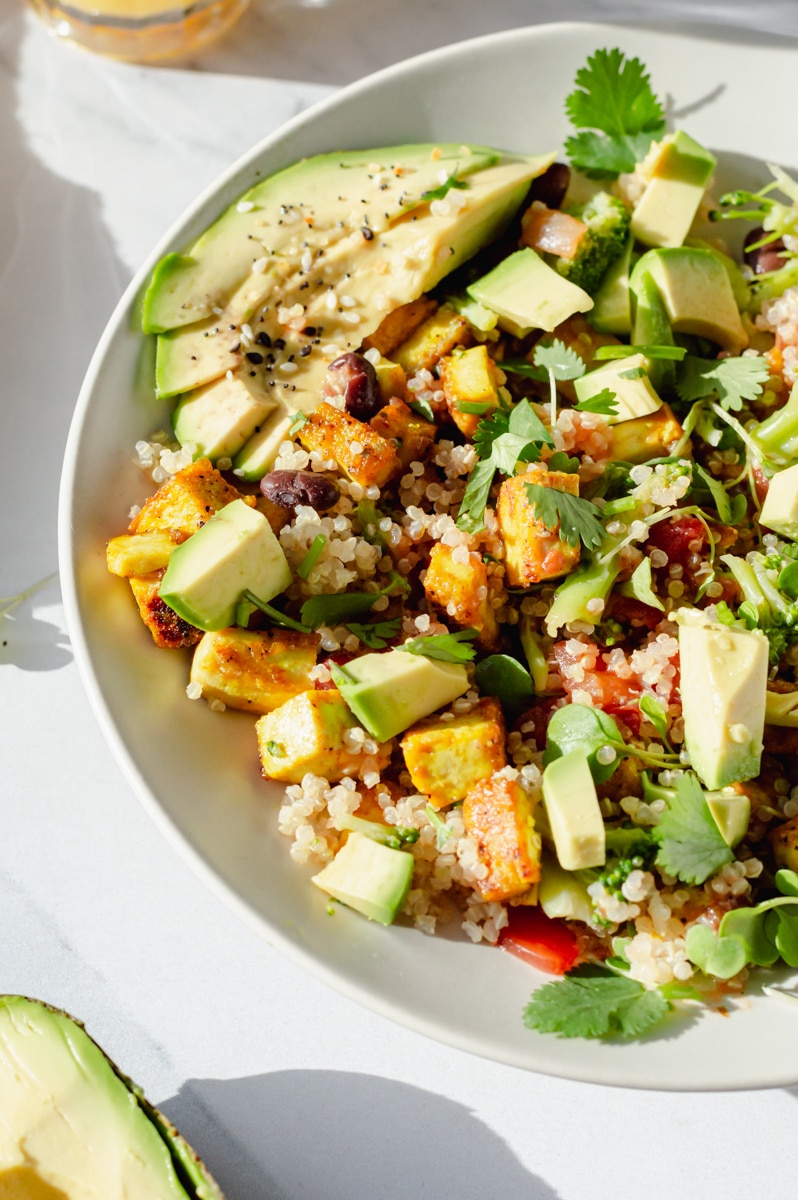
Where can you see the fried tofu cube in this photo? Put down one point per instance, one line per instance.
(187, 500)
(460, 588)
(784, 840)
(446, 759)
(169, 631)
(391, 379)
(359, 451)
(308, 734)
(500, 816)
(141, 553)
(254, 670)
(469, 377)
(398, 326)
(411, 434)
(642, 438)
(432, 341)
(533, 553)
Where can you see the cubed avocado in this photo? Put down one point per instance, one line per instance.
(221, 416)
(696, 293)
(731, 812)
(780, 510)
(562, 894)
(369, 877)
(572, 808)
(724, 673)
(388, 692)
(651, 327)
(634, 394)
(664, 213)
(612, 310)
(234, 552)
(446, 759)
(527, 294)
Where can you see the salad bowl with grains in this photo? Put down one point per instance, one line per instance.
(460, 509)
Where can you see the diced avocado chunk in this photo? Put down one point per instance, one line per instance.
(389, 692)
(651, 327)
(664, 213)
(696, 293)
(74, 1127)
(731, 812)
(572, 808)
(527, 294)
(562, 894)
(612, 309)
(220, 417)
(634, 395)
(780, 510)
(234, 552)
(369, 877)
(724, 673)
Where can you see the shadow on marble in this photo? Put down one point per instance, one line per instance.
(332, 1135)
(29, 639)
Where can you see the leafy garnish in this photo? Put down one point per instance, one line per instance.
(520, 366)
(655, 713)
(640, 585)
(423, 408)
(613, 95)
(732, 380)
(560, 359)
(279, 618)
(442, 830)
(446, 647)
(562, 461)
(376, 634)
(590, 730)
(575, 518)
(718, 493)
(604, 402)
(691, 845)
(335, 610)
(633, 373)
(595, 1006)
(276, 749)
(438, 193)
(312, 557)
(501, 441)
(674, 353)
(477, 407)
(297, 423)
(504, 677)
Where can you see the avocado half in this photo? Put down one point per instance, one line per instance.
(73, 1127)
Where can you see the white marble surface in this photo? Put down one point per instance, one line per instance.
(289, 1090)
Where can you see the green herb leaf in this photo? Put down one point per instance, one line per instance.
(561, 360)
(640, 585)
(369, 517)
(279, 618)
(633, 373)
(338, 609)
(732, 380)
(613, 95)
(574, 518)
(520, 366)
(312, 557)
(276, 749)
(376, 634)
(655, 713)
(578, 727)
(595, 1006)
(691, 845)
(501, 441)
(446, 647)
(475, 497)
(562, 461)
(504, 677)
(718, 492)
(604, 402)
(438, 193)
(477, 407)
(674, 353)
(297, 423)
(442, 830)
(423, 408)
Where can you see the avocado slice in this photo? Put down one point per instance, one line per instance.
(234, 552)
(724, 673)
(731, 813)
(664, 213)
(388, 692)
(369, 877)
(612, 308)
(651, 326)
(73, 1127)
(572, 808)
(634, 395)
(563, 894)
(221, 416)
(780, 509)
(696, 294)
(527, 294)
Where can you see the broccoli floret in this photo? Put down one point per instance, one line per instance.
(607, 220)
(764, 606)
(393, 836)
(776, 218)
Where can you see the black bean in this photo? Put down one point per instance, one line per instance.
(551, 186)
(353, 377)
(766, 258)
(290, 488)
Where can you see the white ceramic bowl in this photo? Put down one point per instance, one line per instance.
(197, 772)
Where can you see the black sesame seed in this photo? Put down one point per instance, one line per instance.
(310, 330)
(253, 357)
(263, 338)
(305, 351)
(279, 343)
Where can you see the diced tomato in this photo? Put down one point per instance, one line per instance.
(761, 483)
(626, 610)
(606, 690)
(674, 538)
(544, 943)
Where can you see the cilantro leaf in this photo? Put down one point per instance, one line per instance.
(613, 95)
(520, 366)
(732, 380)
(595, 1006)
(576, 519)
(422, 408)
(691, 845)
(563, 362)
(475, 497)
(445, 647)
(501, 441)
(438, 193)
(604, 402)
(376, 634)
(718, 493)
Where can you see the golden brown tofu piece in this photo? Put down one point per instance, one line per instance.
(446, 759)
(391, 380)
(141, 553)
(307, 734)
(499, 815)
(187, 500)
(410, 434)
(399, 325)
(359, 451)
(642, 438)
(532, 552)
(461, 590)
(169, 631)
(580, 336)
(784, 840)
(254, 670)
(469, 377)
(436, 338)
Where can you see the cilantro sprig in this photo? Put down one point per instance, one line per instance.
(346, 606)
(691, 845)
(574, 518)
(376, 634)
(502, 440)
(594, 1003)
(617, 113)
(604, 402)
(731, 380)
(445, 647)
